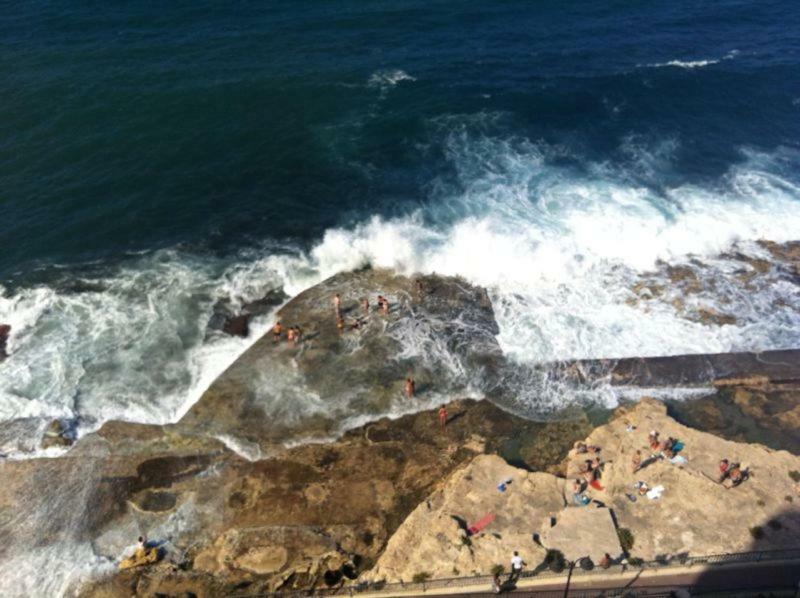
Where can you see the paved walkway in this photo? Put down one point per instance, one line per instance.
(776, 574)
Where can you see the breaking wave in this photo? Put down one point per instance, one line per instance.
(559, 249)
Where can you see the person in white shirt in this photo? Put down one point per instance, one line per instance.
(516, 566)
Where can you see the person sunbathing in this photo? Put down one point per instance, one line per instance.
(736, 475)
(724, 470)
(637, 461)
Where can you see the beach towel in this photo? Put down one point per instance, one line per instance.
(596, 485)
(479, 526)
(655, 493)
(677, 447)
(581, 499)
(678, 460)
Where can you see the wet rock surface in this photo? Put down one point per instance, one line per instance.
(720, 369)
(443, 337)
(314, 512)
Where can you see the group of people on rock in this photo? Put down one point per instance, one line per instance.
(667, 448)
(294, 334)
(590, 470)
(341, 325)
(731, 471)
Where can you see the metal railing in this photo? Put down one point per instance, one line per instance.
(543, 571)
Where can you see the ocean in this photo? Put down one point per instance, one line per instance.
(158, 161)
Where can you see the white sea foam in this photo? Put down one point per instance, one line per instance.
(389, 78)
(558, 249)
(693, 64)
(134, 348)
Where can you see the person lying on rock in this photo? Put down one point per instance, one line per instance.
(606, 561)
(736, 475)
(636, 462)
(578, 497)
(724, 470)
(144, 555)
(653, 440)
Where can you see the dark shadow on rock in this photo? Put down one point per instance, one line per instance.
(768, 568)
(455, 417)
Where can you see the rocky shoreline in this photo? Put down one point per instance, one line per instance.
(237, 505)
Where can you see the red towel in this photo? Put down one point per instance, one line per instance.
(480, 525)
(596, 485)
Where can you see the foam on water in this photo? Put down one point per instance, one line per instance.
(559, 249)
(693, 64)
(133, 345)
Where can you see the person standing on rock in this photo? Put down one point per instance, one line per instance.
(337, 304)
(277, 329)
(365, 305)
(442, 417)
(411, 388)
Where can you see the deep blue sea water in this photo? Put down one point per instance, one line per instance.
(132, 127)
(156, 160)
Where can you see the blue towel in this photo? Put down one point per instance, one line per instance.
(678, 446)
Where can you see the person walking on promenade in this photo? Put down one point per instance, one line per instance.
(516, 567)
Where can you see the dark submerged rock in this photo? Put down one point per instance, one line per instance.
(237, 325)
(5, 332)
